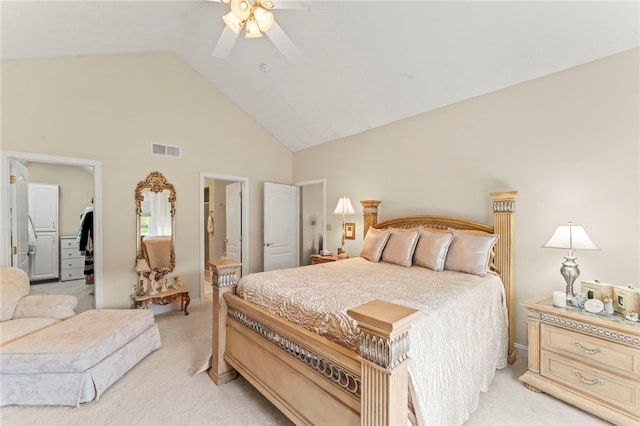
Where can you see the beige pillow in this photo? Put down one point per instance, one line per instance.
(470, 252)
(432, 248)
(400, 247)
(373, 244)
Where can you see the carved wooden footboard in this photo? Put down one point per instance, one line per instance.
(315, 381)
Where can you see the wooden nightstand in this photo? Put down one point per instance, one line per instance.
(317, 258)
(589, 360)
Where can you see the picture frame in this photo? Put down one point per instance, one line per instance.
(349, 231)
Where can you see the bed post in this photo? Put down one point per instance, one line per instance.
(225, 276)
(504, 207)
(384, 348)
(370, 214)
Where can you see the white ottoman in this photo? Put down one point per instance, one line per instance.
(76, 360)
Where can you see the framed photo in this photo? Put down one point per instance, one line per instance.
(349, 231)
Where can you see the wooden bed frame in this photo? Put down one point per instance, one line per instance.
(315, 381)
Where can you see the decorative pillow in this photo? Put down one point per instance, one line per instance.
(470, 252)
(400, 247)
(432, 248)
(373, 244)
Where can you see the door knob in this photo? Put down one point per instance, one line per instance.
(267, 244)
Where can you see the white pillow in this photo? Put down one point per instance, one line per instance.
(400, 247)
(432, 248)
(373, 244)
(470, 252)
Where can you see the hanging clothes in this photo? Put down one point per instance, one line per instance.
(82, 217)
(86, 243)
(210, 226)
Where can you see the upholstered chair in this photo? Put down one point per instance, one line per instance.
(21, 313)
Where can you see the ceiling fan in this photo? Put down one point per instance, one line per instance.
(256, 18)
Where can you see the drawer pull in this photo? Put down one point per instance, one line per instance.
(586, 350)
(587, 381)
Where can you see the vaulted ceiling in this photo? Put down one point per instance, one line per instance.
(362, 64)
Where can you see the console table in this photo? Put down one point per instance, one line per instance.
(164, 298)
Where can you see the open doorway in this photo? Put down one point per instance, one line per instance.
(224, 219)
(78, 181)
(313, 213)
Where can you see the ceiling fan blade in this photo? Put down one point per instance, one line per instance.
(225, 43)
(277, 35)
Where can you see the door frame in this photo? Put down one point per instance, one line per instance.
(323, 182)
(244, 255)
(5, 218)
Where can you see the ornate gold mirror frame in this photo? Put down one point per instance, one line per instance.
(155, 183)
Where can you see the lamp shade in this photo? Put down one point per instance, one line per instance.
(344, 206)
(252, 31)
(241, 9)
(572, 237)
(264, 18)
(142, 265)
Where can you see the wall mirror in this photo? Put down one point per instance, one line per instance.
(155, 232)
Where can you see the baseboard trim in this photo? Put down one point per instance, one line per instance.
(521, 350)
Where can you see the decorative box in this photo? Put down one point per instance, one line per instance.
(600, 290)
(626, 299)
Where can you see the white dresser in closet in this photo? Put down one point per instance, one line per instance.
(71, 261)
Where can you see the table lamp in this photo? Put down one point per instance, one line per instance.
(571, 237)
(343, 208)
(142, 266)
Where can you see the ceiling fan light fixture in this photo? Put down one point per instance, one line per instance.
(264, 18)
(253, 30)
(233, 23)
(241, 9)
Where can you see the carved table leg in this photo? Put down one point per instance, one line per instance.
(186, 299)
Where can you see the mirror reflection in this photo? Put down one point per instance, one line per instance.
(155, 219)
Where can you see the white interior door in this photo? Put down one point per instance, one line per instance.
(233, 209)
(18, 210)
(43, 206)
(280, 226)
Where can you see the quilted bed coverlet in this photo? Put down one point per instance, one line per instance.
(457, 342)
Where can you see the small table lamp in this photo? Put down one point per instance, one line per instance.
(142, 266)
(571, 237)
(344, 207)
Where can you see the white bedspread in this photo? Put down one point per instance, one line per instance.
(457, 343)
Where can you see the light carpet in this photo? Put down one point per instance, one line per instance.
(83, 292)
(160, 391)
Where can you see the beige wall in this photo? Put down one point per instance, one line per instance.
(569, 143)
(110, 108)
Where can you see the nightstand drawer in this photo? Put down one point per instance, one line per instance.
(612, 389)
(598, 352)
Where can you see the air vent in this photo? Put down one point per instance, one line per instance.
(165, 150)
